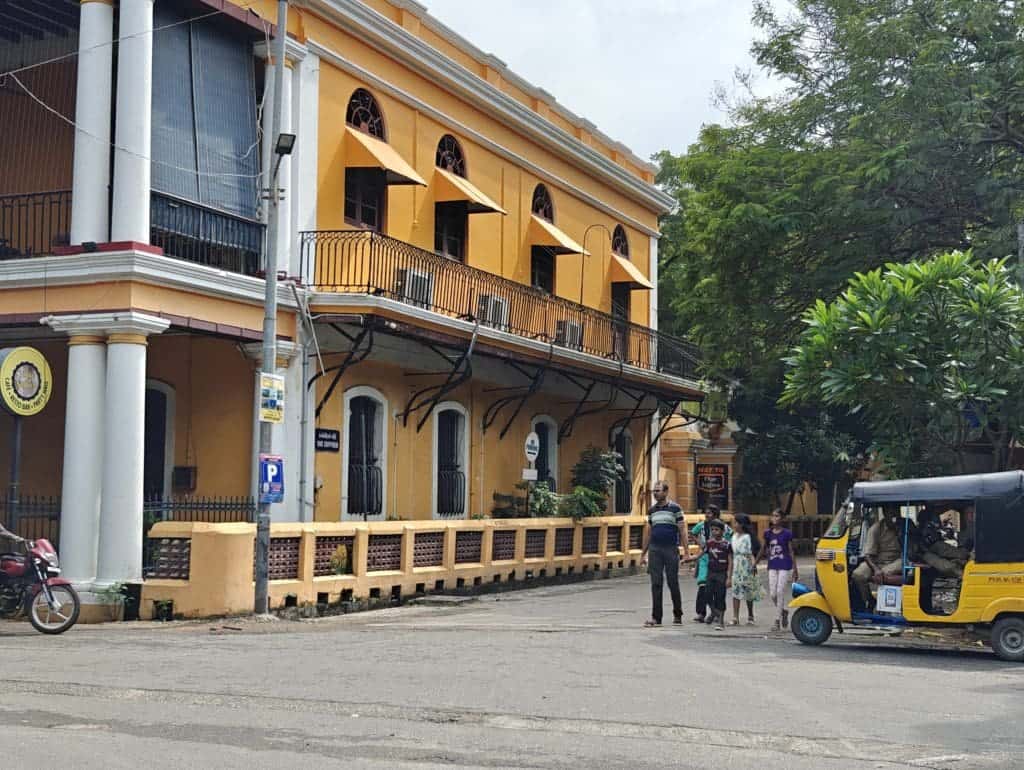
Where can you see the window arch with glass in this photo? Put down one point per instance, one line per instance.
(542, 258)
(451, 218)
(365, 188)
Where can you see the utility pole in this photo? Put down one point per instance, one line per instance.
(270, 310)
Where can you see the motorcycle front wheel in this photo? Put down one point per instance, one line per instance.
(60, 617)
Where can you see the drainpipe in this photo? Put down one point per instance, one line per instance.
(304, 431)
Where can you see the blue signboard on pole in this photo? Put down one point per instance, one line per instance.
(271, 479)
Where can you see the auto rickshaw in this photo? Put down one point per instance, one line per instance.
(985, 595)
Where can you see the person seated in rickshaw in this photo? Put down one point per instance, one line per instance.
(883, 554)
(939, 544)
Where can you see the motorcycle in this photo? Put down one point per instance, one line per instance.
(31, 585)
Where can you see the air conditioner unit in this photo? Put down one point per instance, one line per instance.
(492, 311)
(569, 334)
(415, 287)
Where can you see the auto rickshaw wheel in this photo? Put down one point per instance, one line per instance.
(1008, 638)
(811, 626)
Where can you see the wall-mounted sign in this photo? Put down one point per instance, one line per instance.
(532, 447)
(271, 479)
(271, 398)
(529, 474)
(26, 382)
(713, 486)
(328, 440)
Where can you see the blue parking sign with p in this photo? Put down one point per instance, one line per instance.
(271, 479)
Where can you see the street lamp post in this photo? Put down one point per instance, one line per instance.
(283, 146)
(583, 256)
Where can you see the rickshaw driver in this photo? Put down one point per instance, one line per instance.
(883, 553)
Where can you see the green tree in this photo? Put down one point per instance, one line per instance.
(900, 135)
(929, 352)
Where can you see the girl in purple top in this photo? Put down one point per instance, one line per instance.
(782, 569)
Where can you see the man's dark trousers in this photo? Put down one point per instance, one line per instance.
(663, 566)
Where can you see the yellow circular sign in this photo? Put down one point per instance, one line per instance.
(26, 382)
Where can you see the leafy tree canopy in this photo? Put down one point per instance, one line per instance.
(932, 354)
(900, 135)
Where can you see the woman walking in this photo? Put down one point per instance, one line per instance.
(782, 569)
(745, 585)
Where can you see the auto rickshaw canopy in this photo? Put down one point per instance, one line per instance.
(967, 487)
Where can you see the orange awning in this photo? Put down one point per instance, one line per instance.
(452, 187)
(365, 151)
(543, 233)
(624, 271)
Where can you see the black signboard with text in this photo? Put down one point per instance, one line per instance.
(713, 486)
(328, 440)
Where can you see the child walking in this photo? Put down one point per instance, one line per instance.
(745, 585)
(702, 531)
(782, 569)
(719, 571)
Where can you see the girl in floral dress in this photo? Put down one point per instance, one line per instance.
(745, 585)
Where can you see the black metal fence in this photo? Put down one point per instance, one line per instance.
(195, 233)
(216, 510)
(33, 517)
(357, 261)
(33, 223)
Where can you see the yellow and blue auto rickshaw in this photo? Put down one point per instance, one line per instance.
(982, 517)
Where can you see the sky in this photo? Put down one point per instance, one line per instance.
(643, 71)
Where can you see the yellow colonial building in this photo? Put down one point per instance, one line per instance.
(463, 261)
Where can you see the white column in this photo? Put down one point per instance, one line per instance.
(120, 545)
(305, 117)
(90, 209)
(134, 117)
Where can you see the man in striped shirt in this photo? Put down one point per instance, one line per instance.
(665, 531)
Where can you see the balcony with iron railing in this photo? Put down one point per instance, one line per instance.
(33, 224)
(362, 262)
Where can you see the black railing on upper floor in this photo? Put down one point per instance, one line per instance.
(33, 223)
(357, 261)
(196, 233)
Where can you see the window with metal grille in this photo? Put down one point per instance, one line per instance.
(544, 465)
(364, 113)
(620, 243)
(451, 475)
(365, 193)
(450, 220)
(620, 312)
(365, 475)
(541, 204)
(624, 484)
(449, 156)
(542, 268)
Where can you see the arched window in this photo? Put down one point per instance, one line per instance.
(364, 113)
(451, 460)
(451, 217)
(541, 205)
(623, 444)
(364, 458)
(620, 243)
(547, 458)
(158, 446)
(449, 156)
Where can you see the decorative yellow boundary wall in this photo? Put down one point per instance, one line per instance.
(207, 569)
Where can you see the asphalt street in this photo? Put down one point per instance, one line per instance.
(554, 677)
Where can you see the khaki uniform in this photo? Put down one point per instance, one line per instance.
(883, 546)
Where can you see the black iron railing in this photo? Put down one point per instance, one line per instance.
(216, 510)
(32, 517)
(624, 495)
(33, 223)
(195, 233)
(451, 493)
(365, 489)
(356, 261)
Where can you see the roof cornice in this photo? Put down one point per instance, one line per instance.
(383, 34)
